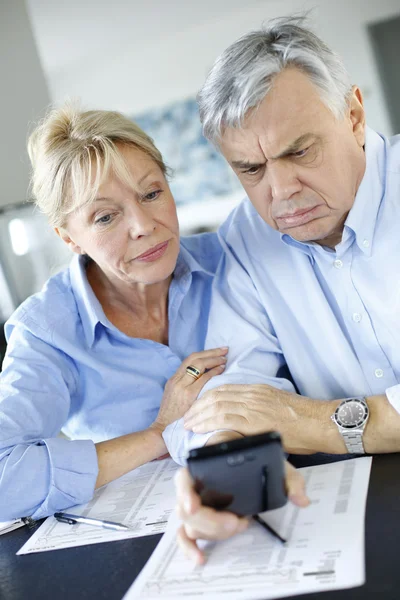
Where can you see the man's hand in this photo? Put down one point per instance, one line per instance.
(304, 423)
(203, 522)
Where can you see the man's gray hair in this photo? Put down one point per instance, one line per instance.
(243, 74)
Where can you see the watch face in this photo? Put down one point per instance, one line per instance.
(351, 413)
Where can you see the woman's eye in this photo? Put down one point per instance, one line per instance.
(152, 195)
(104, 220)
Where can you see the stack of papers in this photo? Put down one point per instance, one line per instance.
(7, 526)
(324, 539)
(143, 500)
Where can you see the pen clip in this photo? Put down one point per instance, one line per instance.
(63, 519)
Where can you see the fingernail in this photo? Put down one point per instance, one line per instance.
(221, 367)
(299, 499)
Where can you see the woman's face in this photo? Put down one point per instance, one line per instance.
(132, 234)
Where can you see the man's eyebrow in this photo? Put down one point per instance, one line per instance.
(294, 147)
(245, 164)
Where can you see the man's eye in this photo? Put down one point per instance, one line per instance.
(152, 195)
(301, 153)
(252, 170)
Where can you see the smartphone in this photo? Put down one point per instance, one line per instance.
(245, 476)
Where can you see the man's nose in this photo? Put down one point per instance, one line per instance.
(283, 180)
(141, 222)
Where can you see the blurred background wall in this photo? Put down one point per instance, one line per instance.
(147, 59)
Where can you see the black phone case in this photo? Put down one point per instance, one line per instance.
(244, 476)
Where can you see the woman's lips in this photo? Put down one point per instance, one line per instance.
(154, 253)
(299, 218)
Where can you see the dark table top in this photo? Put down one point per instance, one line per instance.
(106, 571)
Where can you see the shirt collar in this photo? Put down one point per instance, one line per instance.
(188, 263)
(362, 217)
(89, 307)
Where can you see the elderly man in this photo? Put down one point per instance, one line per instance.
(310, 276)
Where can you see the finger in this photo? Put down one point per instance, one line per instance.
(214, 398)
(189, 547)
(202, 364)
(202, 521)
(233, 422)
(209, 524)
(188, 500)
(196, 356)
(199, 383)
(205, 410)
(296, 486)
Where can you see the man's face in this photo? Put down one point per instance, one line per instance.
(299, 166)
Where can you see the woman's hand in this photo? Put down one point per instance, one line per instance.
(181, 390)
(208, 524)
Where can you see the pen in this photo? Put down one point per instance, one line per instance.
(63, 517)
(269, 528)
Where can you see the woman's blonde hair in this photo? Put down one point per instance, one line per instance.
(72, 151)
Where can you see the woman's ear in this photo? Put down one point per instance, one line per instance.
(64, 235)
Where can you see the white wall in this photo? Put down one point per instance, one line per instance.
(24, 95)
(139, 55)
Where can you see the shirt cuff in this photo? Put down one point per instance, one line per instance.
(73, 474)
(179, 441)
(393, 395)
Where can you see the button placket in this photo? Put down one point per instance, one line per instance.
(338, 264)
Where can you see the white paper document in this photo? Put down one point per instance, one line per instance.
(142, 499)
(7, 526)
(324, 551)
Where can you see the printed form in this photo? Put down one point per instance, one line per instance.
(143, 500)
(323, 540)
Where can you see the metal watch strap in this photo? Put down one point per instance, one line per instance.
(353, 440)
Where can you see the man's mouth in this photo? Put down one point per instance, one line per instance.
(299, 217)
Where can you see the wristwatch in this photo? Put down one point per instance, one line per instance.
(351, 417)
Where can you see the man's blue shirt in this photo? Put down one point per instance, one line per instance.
(333, 316)
(68, 368)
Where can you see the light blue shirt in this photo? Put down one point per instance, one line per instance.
(333, 316)
(68, 368)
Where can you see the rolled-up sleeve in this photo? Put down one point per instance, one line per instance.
(238, 320)
(393, 395)
(39, 472)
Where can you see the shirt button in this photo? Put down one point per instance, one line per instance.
(365, 244)
(378, 373)
(338, 264)
(357, 317)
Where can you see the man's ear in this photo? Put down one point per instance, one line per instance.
(357, 115)
(64, 235)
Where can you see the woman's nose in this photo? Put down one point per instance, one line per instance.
(141, 222)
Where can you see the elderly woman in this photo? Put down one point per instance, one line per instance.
(100, 353)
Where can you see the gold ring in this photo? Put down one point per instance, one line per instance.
(193, 372)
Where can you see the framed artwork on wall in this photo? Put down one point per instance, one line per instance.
(199, 172)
